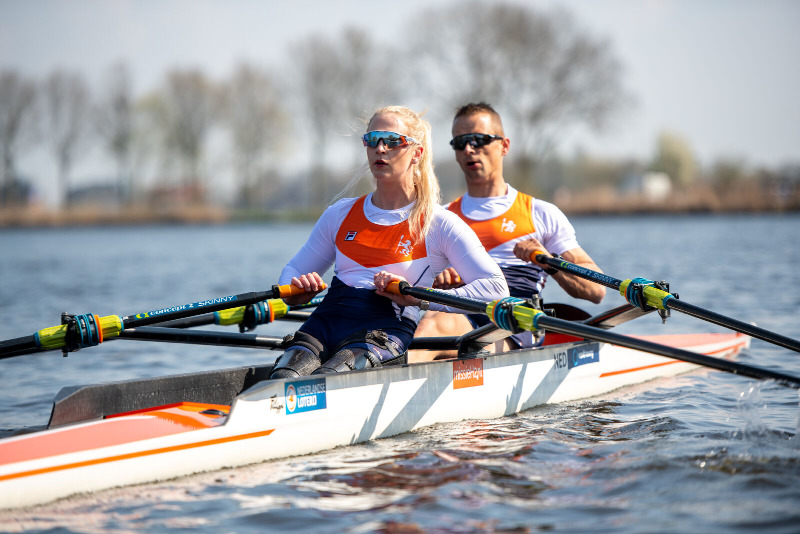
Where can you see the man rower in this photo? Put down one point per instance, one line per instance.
(511, 226)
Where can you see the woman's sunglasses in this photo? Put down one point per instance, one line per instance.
(390, 139)
(474, 140)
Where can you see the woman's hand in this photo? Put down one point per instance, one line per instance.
(447, 279)
(312, 283)
(382, 281)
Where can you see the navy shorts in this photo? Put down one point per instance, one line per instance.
(347, 310)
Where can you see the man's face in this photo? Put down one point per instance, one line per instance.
(480, 164)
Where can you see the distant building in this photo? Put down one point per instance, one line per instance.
(98, 194)
(653, 186)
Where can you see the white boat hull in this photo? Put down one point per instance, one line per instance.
(277, 419)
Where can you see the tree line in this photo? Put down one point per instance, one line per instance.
(541, 69)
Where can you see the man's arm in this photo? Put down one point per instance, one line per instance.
(578, 287)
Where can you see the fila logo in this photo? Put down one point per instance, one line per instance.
(508, 225)
(351, 236)
(404, 247)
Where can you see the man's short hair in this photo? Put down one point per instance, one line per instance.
(480, 107)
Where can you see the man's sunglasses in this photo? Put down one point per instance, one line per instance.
(390, 139)
(474, 140)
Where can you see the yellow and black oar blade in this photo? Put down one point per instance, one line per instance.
(80, 331)
(514, 314)
(643, 294)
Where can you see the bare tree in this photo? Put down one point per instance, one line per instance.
(540, 69)
(66, 101)
(319, 84)
(340, 80)
(186, 109)
(17, 129)
(114, 122)
(257, 124)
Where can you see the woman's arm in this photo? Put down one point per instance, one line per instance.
(319, 252)
(453, 243)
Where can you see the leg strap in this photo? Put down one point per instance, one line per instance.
(364, 350)
(303, 355)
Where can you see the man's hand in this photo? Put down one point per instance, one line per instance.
(524, 250)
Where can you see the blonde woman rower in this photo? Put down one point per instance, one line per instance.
(397, 232)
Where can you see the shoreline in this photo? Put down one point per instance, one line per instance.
(212, 215)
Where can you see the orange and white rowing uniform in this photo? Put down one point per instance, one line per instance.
(501, 222)
(359, 240)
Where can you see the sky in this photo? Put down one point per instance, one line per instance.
(724, 74)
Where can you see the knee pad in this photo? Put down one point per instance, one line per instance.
(301, 358)
(364, 350)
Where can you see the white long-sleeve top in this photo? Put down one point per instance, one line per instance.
(450, 241)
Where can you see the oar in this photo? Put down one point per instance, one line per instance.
(513, 314)
(248, 317)
(233, 339)
(80, 331)
(644, 294)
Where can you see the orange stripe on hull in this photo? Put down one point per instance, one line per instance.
(98, 461)
(115, 430)
(623, 371)
(688, 337)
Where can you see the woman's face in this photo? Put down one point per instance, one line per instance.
(392, 164)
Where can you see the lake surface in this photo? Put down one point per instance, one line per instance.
(704, 452)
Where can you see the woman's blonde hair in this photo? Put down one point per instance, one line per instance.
(426, 184)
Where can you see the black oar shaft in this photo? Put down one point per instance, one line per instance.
(201, 337)
(18, 347)
(595, 334)
(677, 305)
(196, 308)
(439, 297)
(88, 330)
(210, 318)
(588, 274)
(233, 339)
(739, 326)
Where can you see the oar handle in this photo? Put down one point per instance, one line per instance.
(540, 256)
(397, 287)
(439, 296)
(290, 290)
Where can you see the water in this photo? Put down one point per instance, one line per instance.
(706, 451)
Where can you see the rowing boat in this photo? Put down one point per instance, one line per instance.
(140, 431)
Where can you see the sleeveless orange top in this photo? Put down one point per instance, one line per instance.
(512, 225)
(373, 245)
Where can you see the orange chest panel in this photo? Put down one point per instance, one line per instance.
(373, 245)
(511, 225)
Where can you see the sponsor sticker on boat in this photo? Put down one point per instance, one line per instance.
(467, 373)
(582, 355)
(305, 396)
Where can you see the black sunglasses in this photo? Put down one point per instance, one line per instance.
(474, 140)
